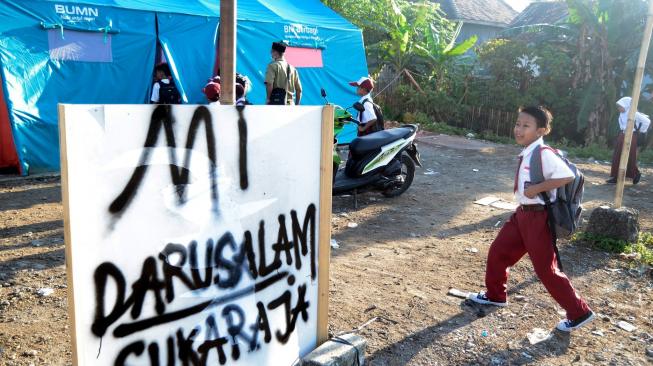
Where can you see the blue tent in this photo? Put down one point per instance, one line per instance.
(104, 51)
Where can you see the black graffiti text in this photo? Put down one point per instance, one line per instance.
(222, 343)
(226, 263)
(163, 119)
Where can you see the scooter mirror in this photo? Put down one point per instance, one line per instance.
(359, 107)
(323, 92)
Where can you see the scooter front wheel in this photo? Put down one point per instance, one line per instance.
(403, 180)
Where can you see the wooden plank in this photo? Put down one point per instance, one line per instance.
(228, 51)
(324, 252)
(514, 119)
(66, 227)
(637, 87)
(496, 128)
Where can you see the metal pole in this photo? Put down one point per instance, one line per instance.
(637, 87)
(227, 51)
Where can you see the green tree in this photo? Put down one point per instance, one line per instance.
(517, 72)
(602, 37)
(404, 34)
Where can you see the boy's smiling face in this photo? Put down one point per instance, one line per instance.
(526, 130)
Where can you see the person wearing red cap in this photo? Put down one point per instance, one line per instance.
(212, 90)
(367, 118)
(282, 79)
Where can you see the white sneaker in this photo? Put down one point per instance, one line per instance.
(480, 298)
(566, 325)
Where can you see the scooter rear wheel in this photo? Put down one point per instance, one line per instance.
(404, 178)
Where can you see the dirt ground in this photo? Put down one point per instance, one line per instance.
(392, 272)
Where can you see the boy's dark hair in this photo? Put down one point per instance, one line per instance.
(541, 115)
(163, 67)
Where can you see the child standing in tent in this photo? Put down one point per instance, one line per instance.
(641, 126)
(528, 231)
(164, 90)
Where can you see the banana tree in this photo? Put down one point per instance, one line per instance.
(440, 47)
(398, 49)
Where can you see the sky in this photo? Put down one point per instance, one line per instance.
(518, 5)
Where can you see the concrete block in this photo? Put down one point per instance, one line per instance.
(338, 353)
(620, 224)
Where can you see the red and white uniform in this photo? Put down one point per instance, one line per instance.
(552, 166)
(527, 231)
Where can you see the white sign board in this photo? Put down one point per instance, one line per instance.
(192, 233)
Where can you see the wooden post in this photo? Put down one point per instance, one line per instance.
(66, 227)
(637, 86)
(491, 120)
(324, 243)
(498, 122)
(412, 80)
(227, 51)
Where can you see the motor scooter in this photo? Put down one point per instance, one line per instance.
(382, 161)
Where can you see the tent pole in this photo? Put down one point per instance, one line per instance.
(227, 51)
(637, 87)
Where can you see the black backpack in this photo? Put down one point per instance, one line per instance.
(168, 93)
(563, 214)
(568, 207)
(380, 121)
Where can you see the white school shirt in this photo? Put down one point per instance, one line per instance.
(641, 120)
(155, 90)
(368, 114)
(552, 166)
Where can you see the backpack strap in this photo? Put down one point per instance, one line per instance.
(372, 103)
(537, 176)
(360, 114)
(536, 166)
(536, 169)
(287, 73)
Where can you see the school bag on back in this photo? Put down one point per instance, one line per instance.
(380, 121)
(565, 212)
(168, 93)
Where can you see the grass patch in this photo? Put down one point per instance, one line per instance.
(595, 151)
(642, 250)
(598, 152)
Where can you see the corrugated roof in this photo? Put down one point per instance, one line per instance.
(541, 12)
(488, 12)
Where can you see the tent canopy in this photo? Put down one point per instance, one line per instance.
(104, 51)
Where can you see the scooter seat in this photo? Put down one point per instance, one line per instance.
(364, 144)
